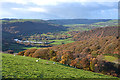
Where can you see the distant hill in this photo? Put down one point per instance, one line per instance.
(29, 26)
(77, 21)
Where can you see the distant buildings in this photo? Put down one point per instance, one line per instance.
(40, 42)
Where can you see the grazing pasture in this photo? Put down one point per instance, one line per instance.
(27, 67)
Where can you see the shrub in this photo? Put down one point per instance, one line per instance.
(10, 51)
(62, 61)
(76, 63)
(65, 59)
(108, 66)
(54, 59)
(30, 55)
(73, 63)
(100, 66)
(85, 63)
(92, 64)
(59, 55)
(29, 51)
(52, 53)
(21, 53)
(41, 53)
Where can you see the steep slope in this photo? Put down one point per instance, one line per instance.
(26, 67)
(95, 42)
(98, 32)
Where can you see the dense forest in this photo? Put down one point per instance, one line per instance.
(98, 32)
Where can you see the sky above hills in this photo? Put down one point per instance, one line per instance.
(59, 9)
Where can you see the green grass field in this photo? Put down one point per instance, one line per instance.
(27, 67)
(111, 58)
(31, 47)
(58, 42)
(76, 27)
(0, 66)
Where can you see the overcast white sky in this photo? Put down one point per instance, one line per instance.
(59, 9)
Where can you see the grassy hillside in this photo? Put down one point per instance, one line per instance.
(27, 67)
